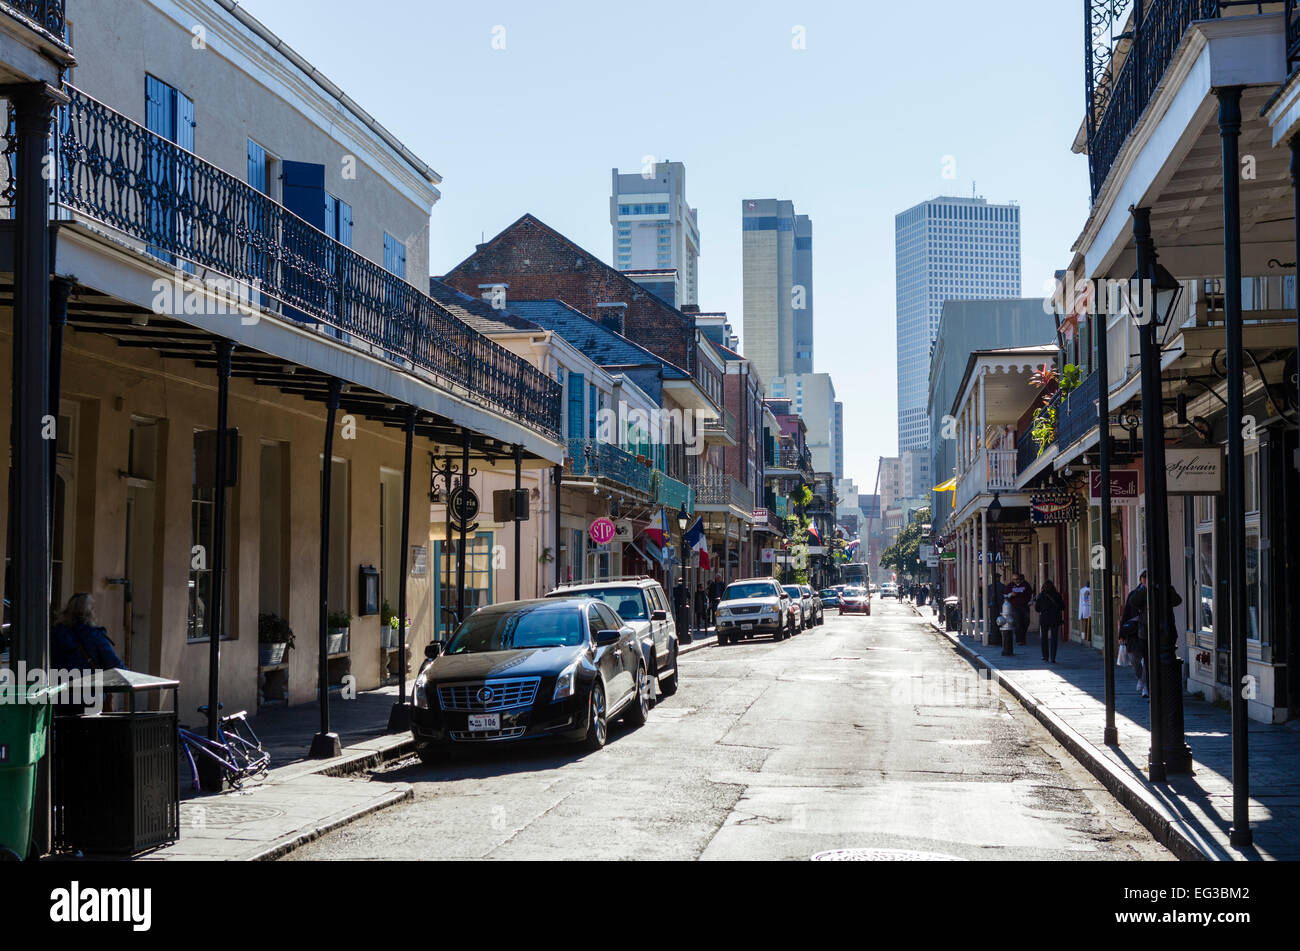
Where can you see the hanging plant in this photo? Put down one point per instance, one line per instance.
(1043, 431)
(1071, 377)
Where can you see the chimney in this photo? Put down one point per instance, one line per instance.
(612, 316)
(496, 295)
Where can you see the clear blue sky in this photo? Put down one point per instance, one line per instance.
(853, 129)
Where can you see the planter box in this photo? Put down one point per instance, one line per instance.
(268, 655)
(388, 637)
(337, 642)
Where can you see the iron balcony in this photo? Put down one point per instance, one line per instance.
(189, 214)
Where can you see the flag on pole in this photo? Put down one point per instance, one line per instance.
(812, 530)
(695, 541)
(657, 530)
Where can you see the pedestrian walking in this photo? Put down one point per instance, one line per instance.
(1085, 610)
(1133, 631)
(996, 594)
(716, 588)
(1021, 595)
(682, 607)
(701, 606)
(1051, 612)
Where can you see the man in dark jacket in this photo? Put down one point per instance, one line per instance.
(1051, 612)
(1020, 594)
(1133, 628)
(716, 588)
(996, 592)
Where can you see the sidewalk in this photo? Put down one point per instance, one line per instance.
(1190, 814)
(302, 799)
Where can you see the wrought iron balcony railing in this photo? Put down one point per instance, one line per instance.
(189, 213)
(670, 493)
(726, 423)
(49, 16)
(592, 459)
(722, 490)
(1126, 56)
(1078, 414)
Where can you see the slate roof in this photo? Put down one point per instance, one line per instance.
(477, 312)
(602, 345)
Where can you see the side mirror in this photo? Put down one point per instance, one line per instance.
(659, 616)
(434, 650)
(608, 638)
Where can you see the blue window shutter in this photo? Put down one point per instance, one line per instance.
(345, 224)
(394, 256)
(331, 216)
(591, 413)
(577, 390)
(257, 166)
(304, 192)
(185, 123)
(159, 108)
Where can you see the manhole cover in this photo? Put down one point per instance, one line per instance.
(226, 815)
(882, 855)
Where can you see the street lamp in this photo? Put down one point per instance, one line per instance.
(684, 607)
(1157, 292)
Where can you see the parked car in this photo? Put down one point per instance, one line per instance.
(818, 609)
(830, 598)
(856, 601)
(805, 615)
(755, 607)
(643, 605)
(530, 670)
(889, 590)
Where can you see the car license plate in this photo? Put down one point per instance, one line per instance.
(484, 722)
(746, 627)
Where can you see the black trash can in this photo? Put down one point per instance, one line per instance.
(952, 613)
(116, 783)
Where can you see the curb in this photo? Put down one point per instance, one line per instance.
(1132, 793)
(285, 846)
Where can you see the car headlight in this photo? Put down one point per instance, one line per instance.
(566, 682)
(420, 692)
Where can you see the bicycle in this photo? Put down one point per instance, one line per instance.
(237, 750)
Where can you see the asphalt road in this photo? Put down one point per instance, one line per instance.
(865, 733)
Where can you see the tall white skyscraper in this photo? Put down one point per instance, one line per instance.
(655, 229)
(947, 249)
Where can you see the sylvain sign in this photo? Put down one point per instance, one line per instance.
(1194, 471)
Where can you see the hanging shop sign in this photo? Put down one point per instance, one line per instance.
(1194, 471)
(602, 531)
(1123, 486)
(464, 506)
(1053, 508)
(623, 530)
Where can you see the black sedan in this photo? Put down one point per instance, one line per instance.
(530, 670)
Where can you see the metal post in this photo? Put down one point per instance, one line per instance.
(1110, 735)
(399, 719)
(447, 546)
(326, 745)
(217, 596)
(1230, 131)
(559, 481)
(60, 291)
(1152, 432)
(31, 502)
(463, 528)
(519, 484)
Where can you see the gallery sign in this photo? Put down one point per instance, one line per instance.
(1194, 471)
(1123, 486)
(1053, 508)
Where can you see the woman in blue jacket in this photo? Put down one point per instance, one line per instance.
(77, 642)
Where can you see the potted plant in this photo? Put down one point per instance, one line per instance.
(388, 625)
(339, 623)
(274, 638)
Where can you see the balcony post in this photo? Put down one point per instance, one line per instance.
(60, 291)
(982, 596)
(1110, 735)
(399, 719)
(213, 780)
(31, 500)
(325, 744)
(519, 484)
(559, 481)
(1230, 132)
(462, 527)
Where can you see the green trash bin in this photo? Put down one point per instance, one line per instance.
(24, 726)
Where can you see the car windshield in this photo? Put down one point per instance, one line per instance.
(828, 593)
(538, 625)
(756, 589)
(793, 591)
(627, 603)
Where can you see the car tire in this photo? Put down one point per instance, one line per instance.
(668, 685)
(597, 724)
(638, 710)
(428, 755)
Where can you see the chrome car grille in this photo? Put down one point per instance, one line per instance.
(748, 609)
(464, 736)
(505, 695)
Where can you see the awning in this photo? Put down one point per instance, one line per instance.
(949, 486)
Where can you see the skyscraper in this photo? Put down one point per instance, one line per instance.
(778, 319)
(947, 249)
(812, 396)
(654, 229)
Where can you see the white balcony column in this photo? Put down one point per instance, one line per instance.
(984, 411)
(984, 576)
